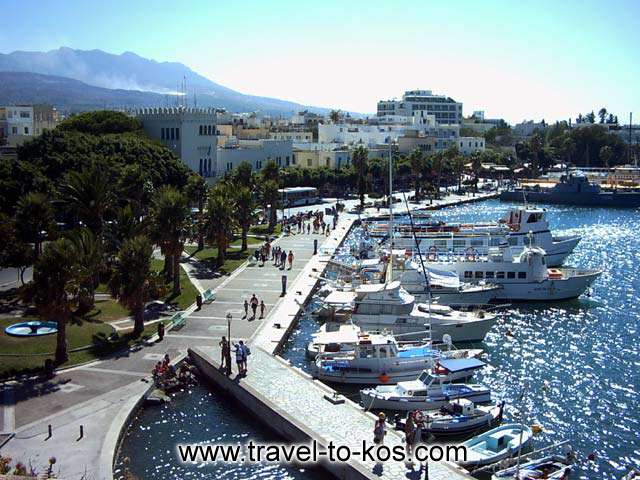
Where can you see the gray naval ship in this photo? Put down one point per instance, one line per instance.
(574, 189)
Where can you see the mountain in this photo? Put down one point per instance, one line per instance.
(130, 72)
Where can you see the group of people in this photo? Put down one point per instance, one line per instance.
(412, 430)
(242, 352)
(254, 303)
(165, 375)
(278, 255)
(304, 221)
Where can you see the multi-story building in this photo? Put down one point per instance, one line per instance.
(256, 152)
(351, 134)
(420, 103)
(16, 123)
(296, 136)
(467, 145)
(189, 132)
(45, 117)
(526, 128)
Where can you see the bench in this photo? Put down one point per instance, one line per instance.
(208, 296)
(178, 320)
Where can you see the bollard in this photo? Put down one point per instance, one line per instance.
(50, 430)
(315, 246)
(81, 432)
(284, 285)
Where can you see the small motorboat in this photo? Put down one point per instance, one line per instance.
(427, 392)
(495, 445)
(458, 418)
(552, 466)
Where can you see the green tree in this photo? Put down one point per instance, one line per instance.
(88, 195)
(220, 219)
(417, 163)
(14, 253)
(360, 160)
(101, 122)
(242, 175)
(196, 191)
(132, 279)
(170, 227)
(602, 114)
(54, 289)
(90, 263)
(438, 163)
(34, 220)
(457, 165)
(269, 185)
(535, 145)
(606, 153)
(244, 207)
(334, 115)
(476, 167)
(126, 224)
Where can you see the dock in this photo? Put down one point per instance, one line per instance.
(291, 402)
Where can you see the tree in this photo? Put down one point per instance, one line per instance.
(242, 175)
(591, 117)
(13, 252)
(602, 113)
(88, 195)
(126, 224)
(269, 185)
(244, 207)
(170, 227)
(535, 145)
(101, 122)
(220, 219)
(54, 289)
(196, 191)
(606, 153)
(132, 280)
(34, 220)
(417, 163)
(476, 167)
(438, 161)
(458, 169)
(90, 260)
(334, 115)
(360, 160)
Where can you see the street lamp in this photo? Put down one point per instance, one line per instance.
(229, 317)
(228, 359)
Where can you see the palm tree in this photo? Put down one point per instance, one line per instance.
(334, 115)
(54, 289)
(89, 258)
(270, 183)
(361, 163)
(536, 143)
(132, 278)
(126, 224)
(169, 227)
(606, 153)
(457, 165)
(438, 161)
(88, 195)
(476, 166)
(220, 219)
(417, 163)
(602, 113)
(34, 220)
(244, 207)
(196, 191)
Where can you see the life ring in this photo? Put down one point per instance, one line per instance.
(383, 377)
(432, 256)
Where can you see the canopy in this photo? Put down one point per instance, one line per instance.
(461, 364)
(443, 278)
(340, 298)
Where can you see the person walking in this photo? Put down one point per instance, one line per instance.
(379, 430)
(246, 308)
(254, 305)
(308, 228)
(262, 307)
(283, 259)
(410, 437)
(224, 346)
(290, 258)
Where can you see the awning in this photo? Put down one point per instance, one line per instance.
(340, 298)
(461, 364)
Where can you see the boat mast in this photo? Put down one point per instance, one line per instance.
(424, 270)
(391, 193)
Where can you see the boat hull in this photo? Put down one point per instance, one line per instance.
(406, 404)
(620, 200)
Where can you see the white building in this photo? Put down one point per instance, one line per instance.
(256, 152)
(467, 145)
(526, 128)
(300, 136)
(351, 134)
(419, 103)
(16, 123)
(191, 134)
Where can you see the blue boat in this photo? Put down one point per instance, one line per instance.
(497, 444)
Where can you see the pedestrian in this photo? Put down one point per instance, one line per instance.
(160, 331)
(290, 258)
(224, 346)
(254, 304)
(262, 307)
(239, 351)
(246, 308)
(245, 355)
(277, 256)
(410, 435)
(379, 430)
(308, 228)
(263, 258)
(283, 259)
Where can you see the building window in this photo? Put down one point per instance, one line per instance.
(200, 130)
(500, 275)
(26, 130)
(177, 133)
(25, 115)
(259, 164)
(522, 275)
(511, 275)
(468, 274)
(200, 169)
(229, 166)
(328, 161)
(308, 162)
(173, 133)
(14, 130)
(162, 133)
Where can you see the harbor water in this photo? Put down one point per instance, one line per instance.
(571, 367)
(574, 363)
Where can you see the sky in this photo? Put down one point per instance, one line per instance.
(514, 59)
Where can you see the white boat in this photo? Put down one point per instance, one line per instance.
(333, 337)
(457, 418)
(380, 307)
(524, 277)
(427, 392)
(496, 444)
(378, 359)
(520, 227)
(550, 467)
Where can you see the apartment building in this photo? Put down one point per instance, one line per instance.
(420, 103)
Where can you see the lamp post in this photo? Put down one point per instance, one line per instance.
(228, 359)
(229, 317)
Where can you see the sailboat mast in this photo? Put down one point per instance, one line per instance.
(391, 194)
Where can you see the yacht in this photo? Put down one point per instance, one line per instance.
(523, 277)
(427, 392)
(379, 358)
(520, 227)
(388, 306)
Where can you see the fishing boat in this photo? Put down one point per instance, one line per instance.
(519, 227)
(551, 466)
(496, 444)
(524, 277)
(388, 306)
(426, 392)
(458, 418)
(379, 359)
(333, 337)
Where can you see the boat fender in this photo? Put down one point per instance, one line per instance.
(384, 378)
(536, 428)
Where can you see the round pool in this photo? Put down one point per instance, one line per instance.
(31, 329)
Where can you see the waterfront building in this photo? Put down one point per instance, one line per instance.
(418, 103)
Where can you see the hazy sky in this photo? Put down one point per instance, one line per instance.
(514, 59)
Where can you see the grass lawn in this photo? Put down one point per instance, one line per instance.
(80, 333)
(233, 259)
(188, 291)
(264, 230)
(107, 310)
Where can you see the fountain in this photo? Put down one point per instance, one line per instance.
(31, 329)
